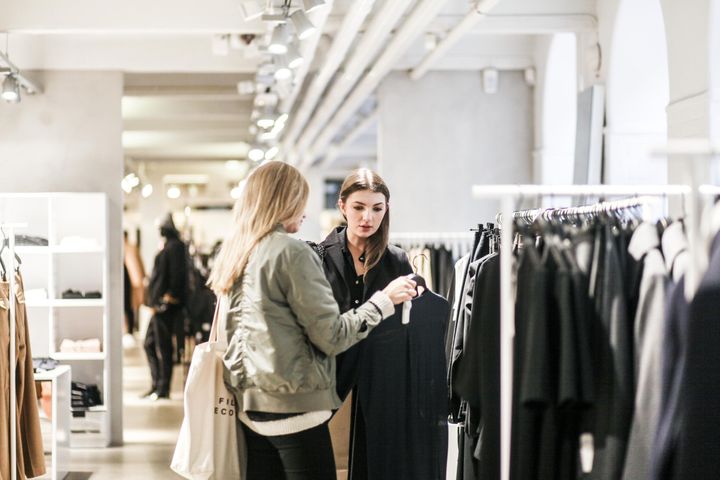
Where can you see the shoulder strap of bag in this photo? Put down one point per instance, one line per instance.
(219, 323)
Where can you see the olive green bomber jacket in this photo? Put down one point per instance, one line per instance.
(284, 329)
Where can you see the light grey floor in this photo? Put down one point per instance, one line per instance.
(150, 432)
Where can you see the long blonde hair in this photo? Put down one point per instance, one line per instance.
(361, 180)
(274, 194)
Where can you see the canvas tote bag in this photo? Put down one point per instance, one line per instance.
(210, 446)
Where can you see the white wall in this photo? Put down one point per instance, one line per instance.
(555, 109)
(637, 95)
(442, 134)
(69, 140)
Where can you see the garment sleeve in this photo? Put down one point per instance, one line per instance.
(310, 297)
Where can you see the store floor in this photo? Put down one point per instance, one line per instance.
(151, 430)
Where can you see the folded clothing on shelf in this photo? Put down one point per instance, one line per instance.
(90, 345)
(79, 243)
(30, 241)
(70, 293)
(83, 396)
(43, 364)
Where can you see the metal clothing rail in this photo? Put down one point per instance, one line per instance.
(432, 236)
(10, 228)
(509, 195)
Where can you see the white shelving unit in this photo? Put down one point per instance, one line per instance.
(75, 226)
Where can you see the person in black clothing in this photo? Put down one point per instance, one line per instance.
(167, 296)
(358, 261)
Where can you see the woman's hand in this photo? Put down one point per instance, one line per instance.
(400, 290)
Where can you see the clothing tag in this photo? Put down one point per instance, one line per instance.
(406, 312)
(587, 452)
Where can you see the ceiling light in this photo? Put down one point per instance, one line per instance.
(252, 9)
(11, 89)
(246, 87)
(303, 27)
(271, 153)
(147, 190)
(266, 119)
(280, 39)
(235, 192)
(134, 180)
(173, 192)
(311, 5)
(283, 71)
(294, 57)
(233, 164)
(256, 154)
(282, 119)
(125, 185)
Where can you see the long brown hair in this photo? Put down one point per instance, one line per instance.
(274, 193)
(361, 180)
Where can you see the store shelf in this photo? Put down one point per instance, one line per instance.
(51, 374)
(38, 303)
(78, 356)
(95, 409)
(31, 250)
(78, 302)
(61, 249)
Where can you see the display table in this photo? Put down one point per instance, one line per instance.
(60, 379)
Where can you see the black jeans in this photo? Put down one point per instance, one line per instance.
(159, 348)
(306, 455)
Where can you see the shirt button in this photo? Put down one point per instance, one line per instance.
(357, 301)
(357, 282)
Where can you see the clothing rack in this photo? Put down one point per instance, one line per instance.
(431, 236)
(510, 195)
(10, 229)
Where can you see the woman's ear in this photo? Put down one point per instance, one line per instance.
(341, 207)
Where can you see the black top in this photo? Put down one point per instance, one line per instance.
(169, 273)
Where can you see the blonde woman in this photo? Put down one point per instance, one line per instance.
(285, 328)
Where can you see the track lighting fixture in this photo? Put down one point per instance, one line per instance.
(11, 89)
(283, 71)
(280, 39)
(266, 119)
(294, 57)
(256, 153)
(271, 153)
(303, 27)
(311, 5)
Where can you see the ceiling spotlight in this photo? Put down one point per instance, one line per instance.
(125, 185)
(11, 89)
(256, 154)
(173, 192)
(233, 164)
(282, 119)
(294, 57)
(147, 190)
(283, 71)
(280, 39)
(311, 5)
(246, 87)
(303, 27)
(266, 119)
(252, 9)
(271, 153)
(235, 192)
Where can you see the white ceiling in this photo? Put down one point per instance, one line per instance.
(181, 100)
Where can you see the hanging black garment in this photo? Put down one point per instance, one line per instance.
(169, 274)
(443, 269)
(340, 271)
(477, 379)
(402, 397)
(551, 362)
(612, 359)
(461, 324)
(699, 448)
